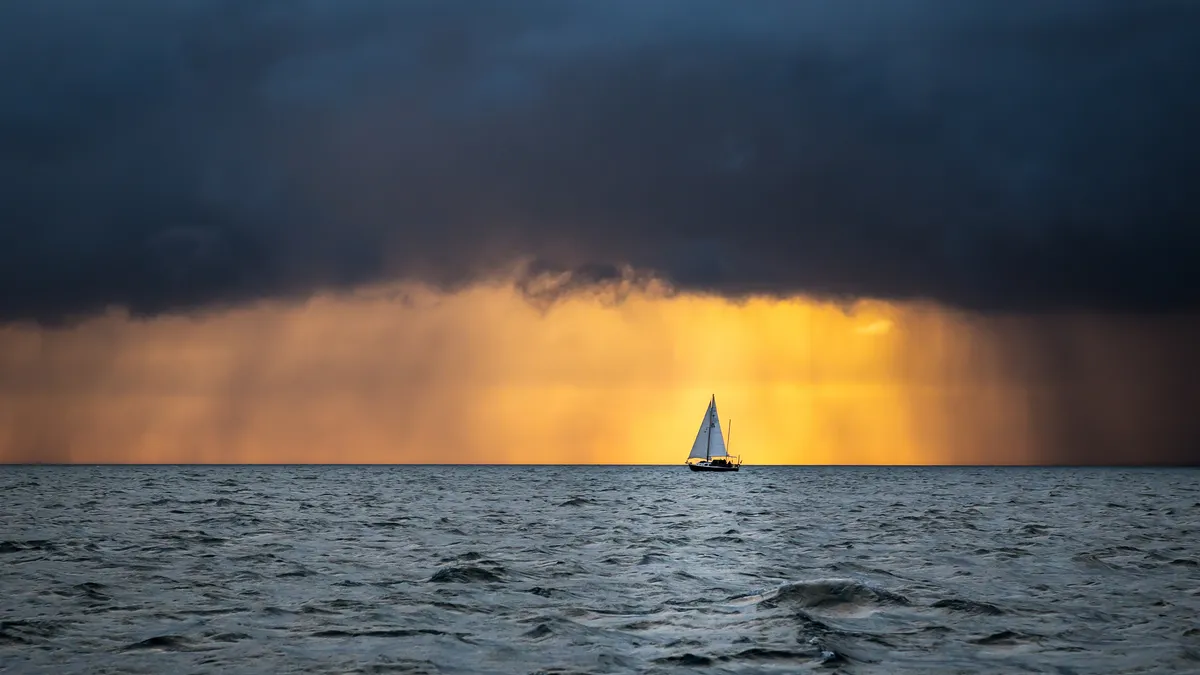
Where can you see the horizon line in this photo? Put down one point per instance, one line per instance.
(1181, 465)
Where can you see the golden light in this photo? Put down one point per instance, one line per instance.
(405, 375)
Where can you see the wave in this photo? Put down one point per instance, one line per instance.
(13, 546)
(166, 643)
(831, 593)
(968, 606)
(28, 632)
(467, 574)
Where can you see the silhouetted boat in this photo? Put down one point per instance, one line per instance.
(710, 447)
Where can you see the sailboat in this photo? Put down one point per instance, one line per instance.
(709, 447)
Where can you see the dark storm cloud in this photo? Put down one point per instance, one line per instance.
(1013, 155)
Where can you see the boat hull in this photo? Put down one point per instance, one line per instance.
(709, 467)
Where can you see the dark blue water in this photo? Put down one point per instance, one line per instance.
(598, 570)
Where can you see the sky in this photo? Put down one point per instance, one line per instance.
(549, 230)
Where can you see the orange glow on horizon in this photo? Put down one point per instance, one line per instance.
(484, 377)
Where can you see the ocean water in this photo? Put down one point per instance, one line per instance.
(598, 570)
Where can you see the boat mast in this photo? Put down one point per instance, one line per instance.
(708, 436)
(728, 435)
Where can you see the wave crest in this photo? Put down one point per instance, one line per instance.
(831, 593)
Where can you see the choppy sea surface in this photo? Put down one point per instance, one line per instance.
(439, 569)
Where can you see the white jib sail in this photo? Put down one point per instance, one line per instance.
(709, 440)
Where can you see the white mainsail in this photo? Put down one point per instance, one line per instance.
(709, 441)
